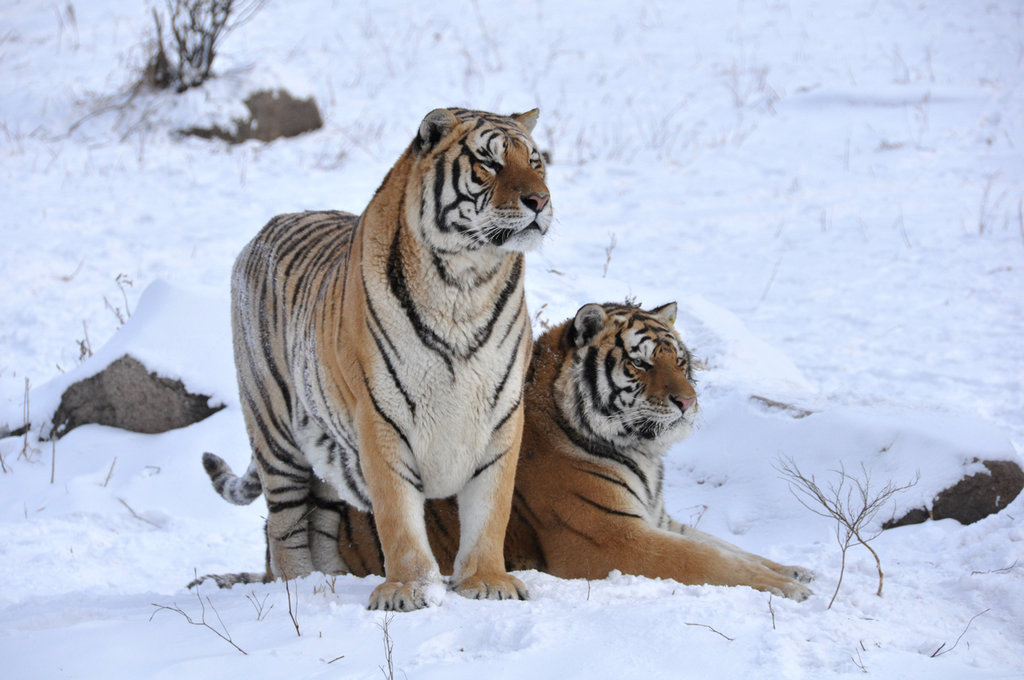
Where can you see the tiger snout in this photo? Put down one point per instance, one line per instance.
(535, 202)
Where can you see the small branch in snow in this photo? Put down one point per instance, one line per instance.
(110, 473)
(137, 515)
(1004, 570)
(771, 280)
(858, 662)
(389, 646)
(608, 255)
(262, 610)
(704, 625)
(940, 651)
(293, 613)
(226, 636)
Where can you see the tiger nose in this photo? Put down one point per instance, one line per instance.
(684, 403)
(535, 202)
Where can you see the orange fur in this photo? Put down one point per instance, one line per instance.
(577, 515)
(381, 359)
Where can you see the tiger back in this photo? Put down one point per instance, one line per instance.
(381, 359)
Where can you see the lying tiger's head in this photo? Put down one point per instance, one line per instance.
(482, 182)
(627, 378)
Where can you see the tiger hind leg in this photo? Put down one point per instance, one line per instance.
(324, 529)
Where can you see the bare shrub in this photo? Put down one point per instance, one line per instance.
(850, 501)
(196, 29)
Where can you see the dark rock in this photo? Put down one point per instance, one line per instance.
(973, 497)
(128, 396)
(272, 114)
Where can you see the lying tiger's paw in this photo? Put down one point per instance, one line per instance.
(793, 590)
(492, 587)
(801, 574)
(404, 597)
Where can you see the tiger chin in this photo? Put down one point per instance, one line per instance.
(607, 393)
(381, 360)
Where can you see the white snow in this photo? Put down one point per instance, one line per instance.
(832, 192)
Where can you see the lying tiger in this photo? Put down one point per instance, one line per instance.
(607, 393)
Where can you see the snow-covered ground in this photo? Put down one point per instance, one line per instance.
(832, 192)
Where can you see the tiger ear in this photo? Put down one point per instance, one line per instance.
(528, 120)
(666, 313)
(589, 320)
(434, 127)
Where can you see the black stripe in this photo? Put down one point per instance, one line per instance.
(434, 521)
(442, 211)
(602, 449)
(508, 415)
(410, 480)
(590, 375)
(278, 506)
(488, 464)
(513, 360)
(275, 449)
(399, 288)
(385, 417)
(481, 336)
(610, 511)
(439, 166)
(376, 320)
(613, 480)
(351, 461)
(415, 480)
(391, 371)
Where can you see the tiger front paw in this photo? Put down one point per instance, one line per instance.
(801, 574)
(492, 587)
(792, 589)
(396, 596)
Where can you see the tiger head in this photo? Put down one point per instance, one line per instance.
(482, 182)
(626, 379)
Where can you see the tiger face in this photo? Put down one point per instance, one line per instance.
(629, 378)
(486, 187)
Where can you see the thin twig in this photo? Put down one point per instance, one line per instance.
(940, 652)
(389, 646)
(771, 280)
(771, 610)
(226, 636)
(608, 254)
(704, 625)
(259, 605)
(293, 613)
(137, 515)
(110, 472)
(1004, 570)
(858, 662)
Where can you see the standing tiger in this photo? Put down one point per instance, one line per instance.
(607, 393)
(381, 359)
